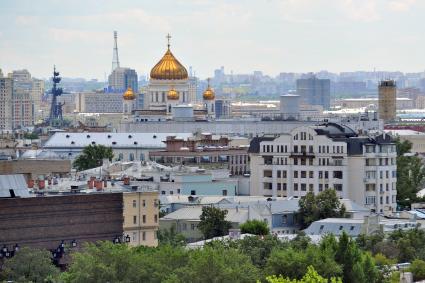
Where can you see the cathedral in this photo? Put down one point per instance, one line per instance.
(169, 89)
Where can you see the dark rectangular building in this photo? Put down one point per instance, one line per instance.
(315, 91)
(45, 222)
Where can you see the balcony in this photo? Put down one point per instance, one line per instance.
(303, 154)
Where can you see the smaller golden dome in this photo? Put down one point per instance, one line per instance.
(172, 94)
(208, 93)
(129, 94)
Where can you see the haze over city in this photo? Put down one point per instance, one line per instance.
(244, 36)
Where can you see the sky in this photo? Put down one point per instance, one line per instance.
(271, 36)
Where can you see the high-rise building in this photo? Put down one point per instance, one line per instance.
(122, 78)
(387, 100)
(315, 91)
(6, 91)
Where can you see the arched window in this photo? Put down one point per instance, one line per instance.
(131, 157)
(142, 156)
(120, 157)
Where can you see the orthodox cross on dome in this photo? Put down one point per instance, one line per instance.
(208, 80)
(168, 40)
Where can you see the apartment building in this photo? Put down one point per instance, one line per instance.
(329, 156)
(141, 217)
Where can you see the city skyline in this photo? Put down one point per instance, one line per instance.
(351, 35)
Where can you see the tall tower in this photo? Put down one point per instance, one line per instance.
(387, 100)
(115, 59)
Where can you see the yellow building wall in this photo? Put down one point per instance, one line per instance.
(141, 218)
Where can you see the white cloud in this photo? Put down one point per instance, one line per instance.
(401, 5)
(73, 35)
(130, 16)
(362, 10)
(26, 20)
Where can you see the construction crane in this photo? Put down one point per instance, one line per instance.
(55, 117)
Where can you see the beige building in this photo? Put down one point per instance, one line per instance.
(387, 100)
(6, 90)
(416, 138)
(141, 219)
(329, 156)
(93, 102)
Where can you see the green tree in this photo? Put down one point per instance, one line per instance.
(213, 222)
(255, 227)
(324, 205)
(30, 265)
(31, 136)
(418, 269)
(171, 237)
(216, 265)
(92, 157)
(311, 276)
(292, 263)
(410, 174)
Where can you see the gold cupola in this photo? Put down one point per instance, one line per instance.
(208, 93)
(172, 94)
(168, 68)
(129, 94)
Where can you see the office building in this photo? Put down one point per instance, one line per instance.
(205, 151)
(314, 91)
(387, 100)
(121, 79)
(125, 146)
(6, 91)
(330, 156)
(95, 102)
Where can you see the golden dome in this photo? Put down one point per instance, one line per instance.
(129, 94)
(169, 68)
(208, 93)
(172, 94)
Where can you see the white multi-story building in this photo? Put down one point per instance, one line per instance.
(315, 158)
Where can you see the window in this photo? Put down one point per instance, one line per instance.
(295, 187)
(162, 192)
(310, 149)
(192, 192)
(134, 203)
(326, 175)
(310, 187)
(337, 174)
(144, 236)
(268, 173)
(155, 218)
(284, 174)
(340, 227)
(295, 148)
(192, 226)
(320, 187)
(144, 218)
(134, 219)
(303, 174)
(338, 187)
(144, 203)
(295, 174)
(311, 174)
(295, 161)
(284, 219)
(303, 187)
(224, 192)
(320, 174)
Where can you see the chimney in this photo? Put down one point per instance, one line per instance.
(41, 184)
(99, 185)
(30, 183)
(126, 181)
